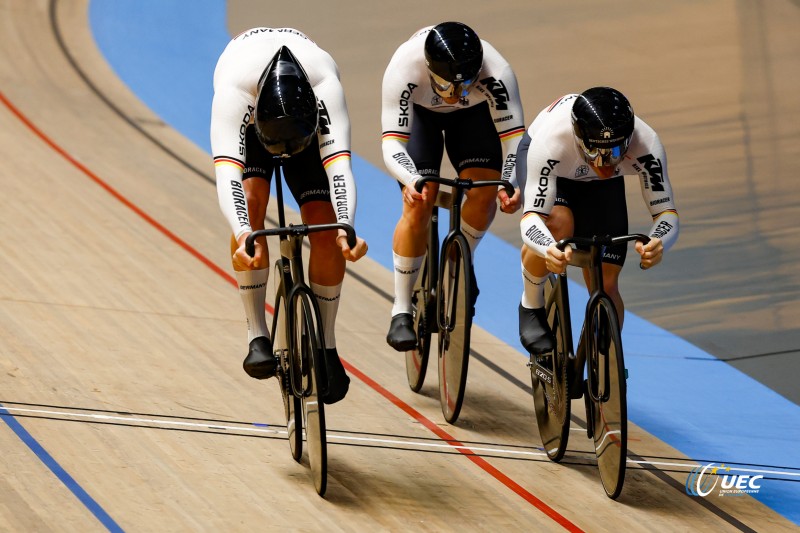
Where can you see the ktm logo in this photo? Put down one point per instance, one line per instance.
(324, 119)
(654, 170)
(499, 92)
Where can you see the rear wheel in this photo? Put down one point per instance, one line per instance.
(292, 406)
(607, 391)
(423, 315)
(550, 383)
(455, 322)
(307, 344)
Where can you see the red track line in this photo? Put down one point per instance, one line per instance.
(116, 194)
(442, 434)
(449, 439)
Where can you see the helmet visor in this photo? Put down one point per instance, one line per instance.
(449, 89)
(603, 157)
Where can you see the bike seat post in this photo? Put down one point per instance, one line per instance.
(290, 246)
(279, 192)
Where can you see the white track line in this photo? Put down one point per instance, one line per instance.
(265, 429)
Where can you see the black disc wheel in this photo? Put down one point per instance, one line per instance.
(424, 321)
(292, 406)
(455, 322)
(607, 391)
(550, 384)
(307, 344)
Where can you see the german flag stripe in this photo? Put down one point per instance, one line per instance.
(395, 135)
(510, 134)
(554, 104)
(223, 160)
(344, 154)
(673, 211)
(531, 213)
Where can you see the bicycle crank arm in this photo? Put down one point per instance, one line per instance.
(544, 375)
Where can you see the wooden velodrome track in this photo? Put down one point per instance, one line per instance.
(121, 337)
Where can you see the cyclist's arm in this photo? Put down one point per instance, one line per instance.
(656, 188)
(397, 116)
(505, 105)
(540, 196)
(535, 234)
(231, 110)
(334, 142)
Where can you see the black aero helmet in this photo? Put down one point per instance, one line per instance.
(454, 56)
(602, 119)
(286, 108)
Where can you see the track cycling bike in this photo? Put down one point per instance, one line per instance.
(444, 296)
(558, 376)
(298, 340)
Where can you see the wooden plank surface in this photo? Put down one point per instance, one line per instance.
(121, 337)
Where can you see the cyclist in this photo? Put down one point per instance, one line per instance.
(277, 94)
(572, 161)
(445, 88)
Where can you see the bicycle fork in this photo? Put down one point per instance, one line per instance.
(598, 355)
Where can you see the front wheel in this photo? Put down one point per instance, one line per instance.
(292, 407)
(307, 344)
(607, 392)
(424, 320)
(455, 321)
(551, 397)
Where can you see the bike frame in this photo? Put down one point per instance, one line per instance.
(453, 297)
(294, 290)
(592, 260)
(453, 203)
(293, 281)
(561, 294)
(599, 343)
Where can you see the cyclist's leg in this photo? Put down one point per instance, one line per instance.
(260, 362)
(308, 182)
(325, 273)
(475, 151)
(326, 266)
(534, 332)
(326, 262)
(425, 147)
(480, 206)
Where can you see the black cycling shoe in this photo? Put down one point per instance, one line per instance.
(402, 336)
(260, 362)
(338, 380)
(534, 331)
